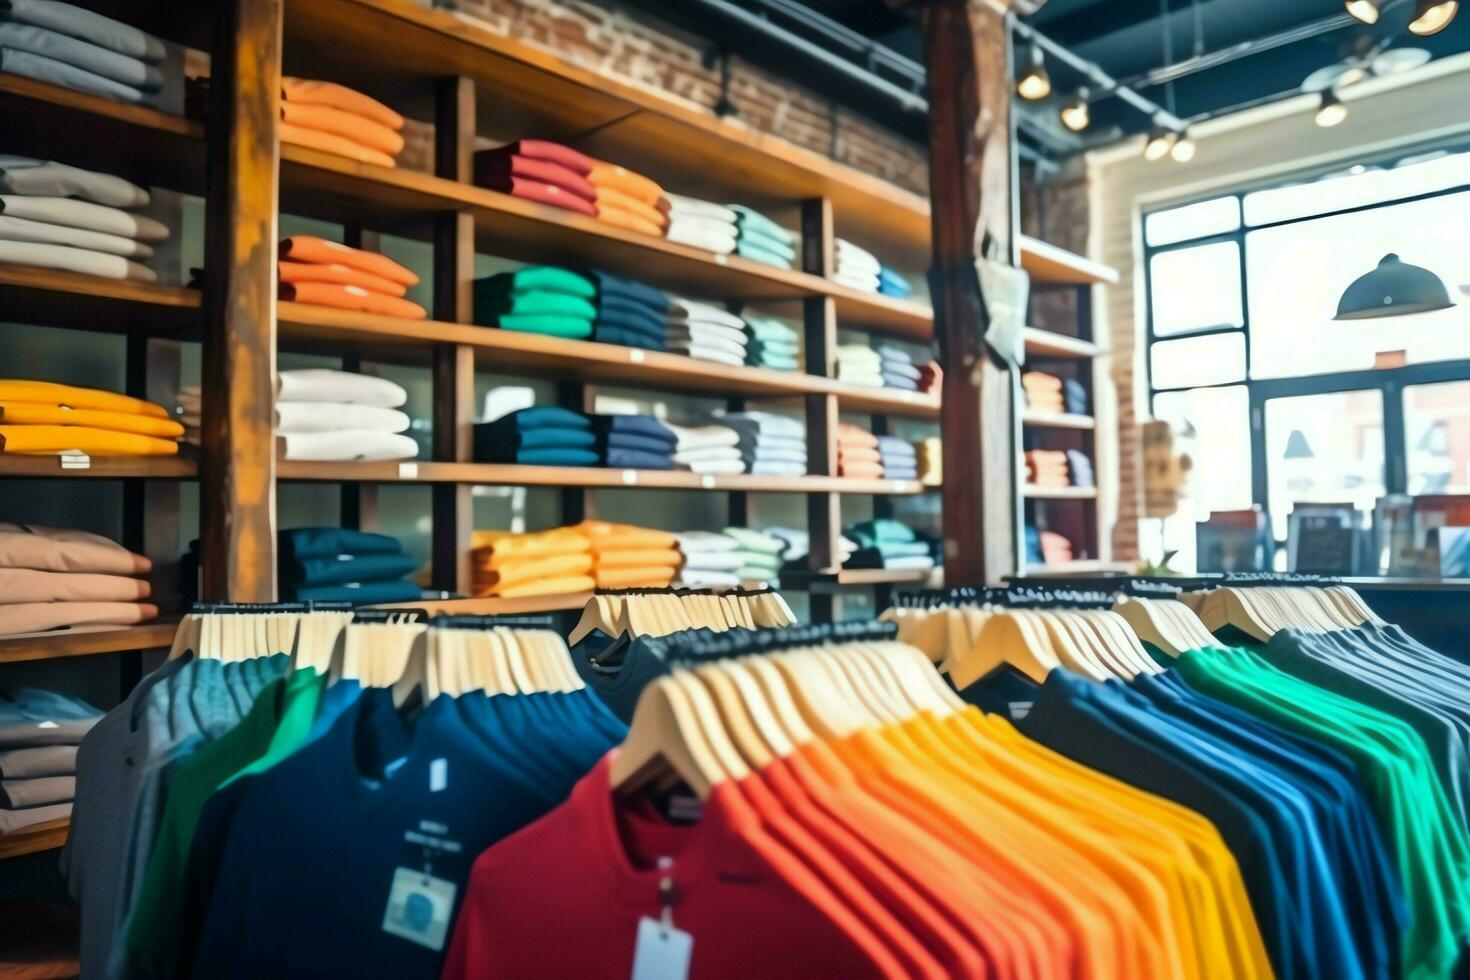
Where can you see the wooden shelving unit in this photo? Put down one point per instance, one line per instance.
(1033, 492)
(83, 641)
(1046, 343)
(182, 467)
(46, 836)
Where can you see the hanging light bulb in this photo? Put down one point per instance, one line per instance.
(1076, 116)
(1365, 10)
(1331, 111)
(1352, 76)
(1183, 149)
(1433, 16)
(1159, 144)
(1034, 83)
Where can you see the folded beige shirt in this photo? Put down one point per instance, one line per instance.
(34, 617)
(13, 820)
(16, 794)
(30, 585)
(53, 549)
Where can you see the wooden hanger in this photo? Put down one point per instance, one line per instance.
(735, 718)
(666, 735)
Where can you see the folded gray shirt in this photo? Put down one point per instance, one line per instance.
(91, 57)
(43, 760)
(44, 69)
(46, 178)
(17, 794)
(111, 34)
(25, 230)
(13, 820)
(83, 214)
(72, 259)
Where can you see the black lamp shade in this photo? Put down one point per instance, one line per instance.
(1394, 288)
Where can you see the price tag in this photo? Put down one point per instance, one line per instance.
(719, 258)
(636, 355)
(408, 471)
(662, 952)
(707, 481)
(419, 908)
(908, 396)
(630, 477)
(75, 461)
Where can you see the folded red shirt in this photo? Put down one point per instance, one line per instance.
(577, 163)
(497, 171)
(535, 190)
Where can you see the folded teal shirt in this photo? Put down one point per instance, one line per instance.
(347, 568)
(755, 253)
(537, 277)
(329, 542)
(539, 302)
(569, 327)
(755, 237)
(749, 218)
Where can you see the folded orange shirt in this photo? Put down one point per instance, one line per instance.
(341, 275)
(561, 585)
(510, 576)
(309, 92)
(635, 185)
(332, 143)
(51, 393)
(628, 220)
(607, 536)
(32, 413)
(349, 125)
(351, 298)
(852, 435)
(55, 439)
(610, 197)
(858, 454)
(309, 248)
(634, 578)
(638, 557)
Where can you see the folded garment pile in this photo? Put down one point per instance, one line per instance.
(625, 556)
(510, 565)
(46, 419)
(770, 445)
(931, 377)
(898, 368)
(626, 199)
(629, 312)
(707, 449)
(338, 120)
(77, 49)
(1047, 468)
(543, 435)
(705, 331)
(930, 453)
(54, 578)
(318, 272)
(857, 268)
(537, 299)
(542, 171)
(701, 224)
(1043, 392)
(60, 217)
(857, 453)
(759, 553)
(1074, 396)
(773, 344)
(39, 734)
(710, 560)
(890, 283)
(634, 442)
(334, 564)
(900, 458)
(798, 548)
(886, 543)
(762, 240)
(859, 364)
(1079, 469)
(1047, 547)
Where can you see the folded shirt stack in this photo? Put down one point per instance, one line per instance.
(543, 435)
(930, 453)
(634, 442)
(890, 283)
(709, 560)
(857, 268)
(859, 364)
(1043, 392)
(798, 546)
(857, 453)
(334, 564)
(1054, 548)
(759, 553)
(705, 331)
(323, 273)
(54, 578)
(931, 377)
(59, 217)
(1079, 469)
(770, 445)
(47, 419)
(1047, 468)
(762, 240)
(773, 344)
(508, 565)
(898, 368)
(80, 50)
(625, 556)
(539, 170)
(538, 299)
(700, 224)
(629, 313)
(338, 120)
(627, 199)
(900, 458)
(1074, 395)
(885, 543)
(707, 449)
(39, 734)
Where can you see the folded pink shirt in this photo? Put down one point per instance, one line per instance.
(53, 549)
(35, 617)
(30, 585)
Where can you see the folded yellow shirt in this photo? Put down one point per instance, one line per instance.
(634, 578)
(35, 413)
(493, 549)
(565, 585)
(493, 582)
(54, 439)
(604, 175)
(609, 537)
(638, 557)
(51, 393)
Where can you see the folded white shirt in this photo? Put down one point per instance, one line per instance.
(83, 214)
(863, 378)
(714, 561)
(758, 441)
(13, 820)
(677, 205)
(694, 541)
(44, 178)
(71, 259)
(858, 258)
(716, 467)
(766, 423)
(349, 444)
(706, 331)
(700, 234)
(775, 456)
(25, 230)
(683, 310)
(301, 417)
(858, 354)
(328, 385)
(694, 578)
(798, 542)
(774, 468)
(702, 436)
(708, 454)
(704, 352)
(690, 344)
(865, 284)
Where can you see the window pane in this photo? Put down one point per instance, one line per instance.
(1358, 186)
(1212, 425)
(1296, 274)
(1195, 288)
(1193, 221)
(1212, 360)
(1437, 437)
(1324, 449)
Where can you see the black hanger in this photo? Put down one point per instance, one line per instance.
(468, 622)
(389, 615)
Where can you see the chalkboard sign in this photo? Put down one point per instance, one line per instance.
(1322, 544)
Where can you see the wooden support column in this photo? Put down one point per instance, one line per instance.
(819, 326)
(577, 503)
(971, 178)
(238, 469)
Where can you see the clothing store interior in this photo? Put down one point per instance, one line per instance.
(735, 489)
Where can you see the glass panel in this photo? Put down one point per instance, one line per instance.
(1195, 288)
(1296, 274)
(1192, 221)
(1212, 426)
(1437, 437)
(1216, 359)
(1324, 449)
(1357, 186)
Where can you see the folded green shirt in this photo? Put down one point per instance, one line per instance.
(536, 302)
(537, 277)
(749, 218)
(756, 253)
(755, 237)
(555, 326)
(755, 541)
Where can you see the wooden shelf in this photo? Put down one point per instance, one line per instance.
(1034, 492)
(1052, 265)
(491, 606)
(1058, 420)
(83, 641)
(101, 468)
(46, 836)
(55, 298)
(1045, 343)
(860, 577)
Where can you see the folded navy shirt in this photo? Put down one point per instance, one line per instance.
(636, 425)
(329, 542)
(636, 459)
(637, 443)
(628, 338)
(610, 286)
(358, 593)
(347, 568)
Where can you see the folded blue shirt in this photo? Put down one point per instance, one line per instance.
(329, 542)
(347, 568)
(610, 286)
(639, 425)
(636, 459)
(628, 338)
(890, 283)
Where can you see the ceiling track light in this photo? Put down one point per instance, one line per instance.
(1366, 11)
(1077, 115)
(1034, 83)
(1331, 110)
(1160, 142)
(1183, 149)
(1433, 16)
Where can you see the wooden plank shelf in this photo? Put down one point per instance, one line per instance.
(495, 606)
(859, 577)
(1058, 420)
(1034, 492)
(101, 468)
(56, 298)
(46, 836)
(1052, 265)
(1046, 343)
(84, 641)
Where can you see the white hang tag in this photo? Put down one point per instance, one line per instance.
(419, 908)
(662, 952)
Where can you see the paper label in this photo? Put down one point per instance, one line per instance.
(630, 477)
(636, 356)
(73, 460)
(707, 481)
(419, 908)
(438, 775)
(662, 952)
(408, 471)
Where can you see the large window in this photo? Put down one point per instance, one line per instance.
(1279, 404)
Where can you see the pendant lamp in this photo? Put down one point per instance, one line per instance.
(1394, 288)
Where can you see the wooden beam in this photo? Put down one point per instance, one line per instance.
(237, 473)
(971, 176)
